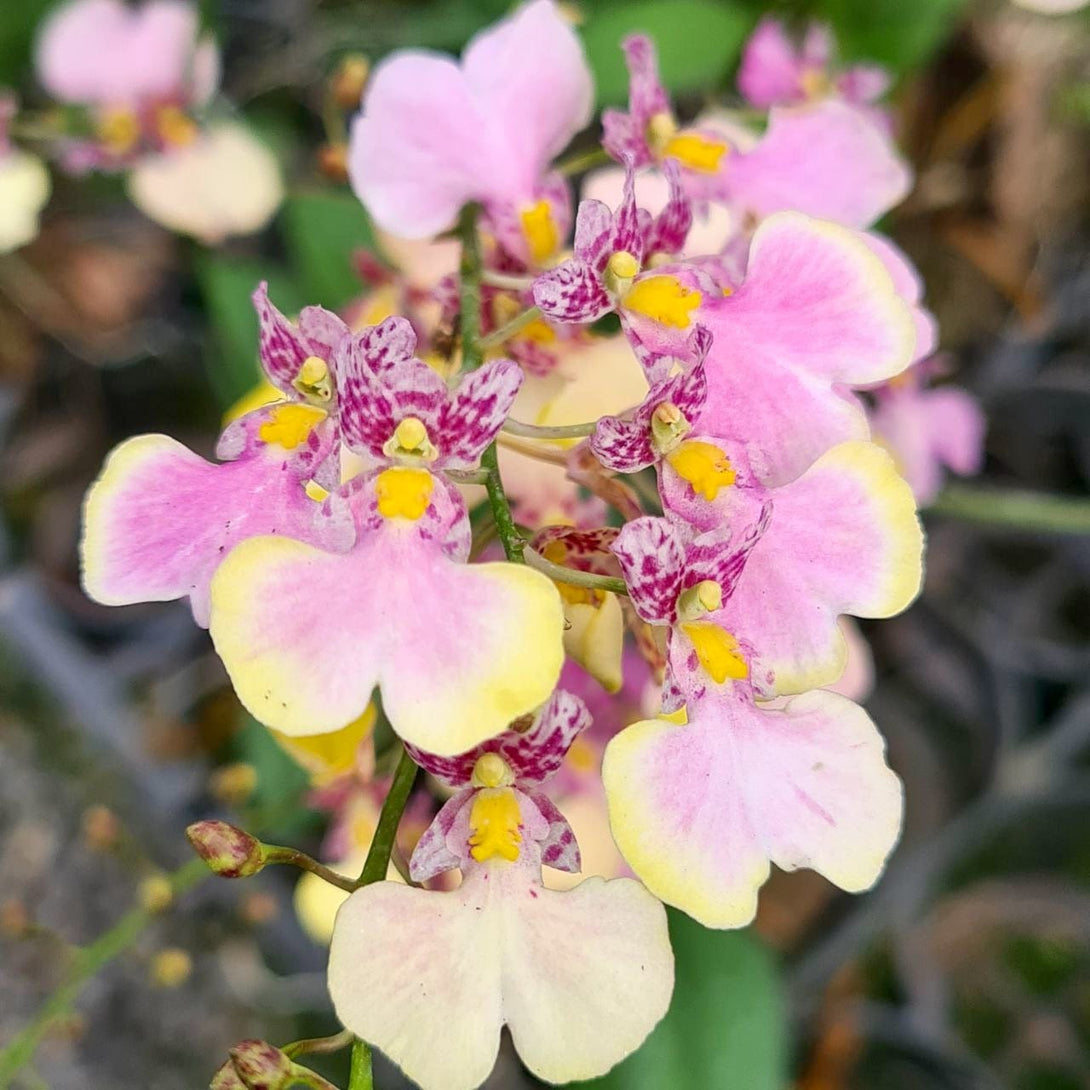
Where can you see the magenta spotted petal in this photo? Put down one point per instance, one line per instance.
(651, 552)
(285, 346)
(624, 135)
(472, 416)
(626, 445)
(533, 754)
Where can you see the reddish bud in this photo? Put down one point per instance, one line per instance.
(262, 1066)
(226, 1078)
(229, 851)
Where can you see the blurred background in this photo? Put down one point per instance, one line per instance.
(968, 967)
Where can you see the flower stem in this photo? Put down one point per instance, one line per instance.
(1032, 512)
(572, 576)
(576, 164)
(472, 356)
(362, 1076)
(87, 963)
(312, 1045)
(508, 330)
(274, 853)
(561, 431)
(382, 845)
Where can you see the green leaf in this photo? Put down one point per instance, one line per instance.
(725, 1027)
(17, 29)
(698, 41)
(323, 231)
(226, 285)
(891, 32)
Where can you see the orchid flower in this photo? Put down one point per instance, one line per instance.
(796, 165)
(434, 135)
(307, 634)
(866, 560)
(777, 72)
(928, 429)
(616, 267)
(579, 977)
(159, 520)
(700, 810)
(141, 71)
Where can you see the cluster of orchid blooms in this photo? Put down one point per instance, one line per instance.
(664, 660)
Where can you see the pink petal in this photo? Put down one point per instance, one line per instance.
(958, 426)
(816, 310)
(307, 635)
(105, 53)
(432, 856)
(909, 286)
(771, 68)
(159, 520)
(529, 74)
(799, 165)
(699, 811)
(843, 538)
(572, 292)
(475, 412)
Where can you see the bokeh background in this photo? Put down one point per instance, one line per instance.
(968, 967)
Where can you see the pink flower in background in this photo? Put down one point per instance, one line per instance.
(797, 164)
(307, 634)
(434, 135)
(929, 430)
(579, 977)
(775, 71)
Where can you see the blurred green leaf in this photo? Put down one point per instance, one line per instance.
(17, 28)
(323, 231)
(725, 1027)
(894, 33)
(226, 285)
(698, 41)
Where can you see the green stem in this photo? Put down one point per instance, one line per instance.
(312, 1045)
(560, 431)
(1032, 512)
(558, 573)
(469, 277)
(274, 853)
(576, 164)
(469, 271)
(362, 1076)
(378, 857)
(89, 961)
(513, 542)
(507, 331)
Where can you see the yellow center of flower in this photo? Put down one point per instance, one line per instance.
(494, 822)
(289, 426)
(540, 231)
(696, 152)
(403, 492)
(815, 83)
(663, 299)
(410, 441)
(118, 130)
(717, 650)
(705, 597)
(176, 129)
(313, 379)
(704, 466)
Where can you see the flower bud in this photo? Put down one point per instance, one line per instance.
(349, 81)
(155, 893)
(262, 1066)
(229, 851)
(226, 1078)
(171, 968)
(333, 161)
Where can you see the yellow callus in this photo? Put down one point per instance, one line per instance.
(696, 152)
(663, 299)
(175, 127)
(289, 425)
(403, 492)
(704, 465)
(717, 650)
(118, 130)
(494, 821)
(540, 231)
